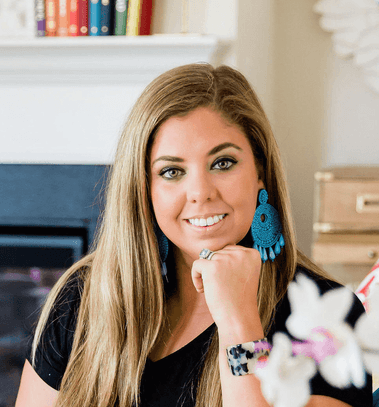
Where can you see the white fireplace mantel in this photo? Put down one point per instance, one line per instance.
(65, 100)
(106, 60)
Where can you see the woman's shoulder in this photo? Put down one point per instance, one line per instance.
(71, 291)
(324, 284)
(64, 310)
(55, 344)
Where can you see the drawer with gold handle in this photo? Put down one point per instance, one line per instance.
(358, 249)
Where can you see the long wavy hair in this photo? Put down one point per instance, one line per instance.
(122, 309)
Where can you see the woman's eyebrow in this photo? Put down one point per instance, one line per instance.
(222, 146)
(168, 158)
(214, 150)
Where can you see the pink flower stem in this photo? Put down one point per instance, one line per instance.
(317, 350)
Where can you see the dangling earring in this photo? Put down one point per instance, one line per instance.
(163, 248)
(266, 229)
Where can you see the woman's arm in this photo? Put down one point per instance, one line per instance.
(244, 390)
(33, 391)
(230, 283)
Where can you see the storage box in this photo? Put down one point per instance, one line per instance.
(346, 222)
(347, 200)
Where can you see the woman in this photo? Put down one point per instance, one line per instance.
(143, 319)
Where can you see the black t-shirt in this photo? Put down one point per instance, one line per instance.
(171, 381)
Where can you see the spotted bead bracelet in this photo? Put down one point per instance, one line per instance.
(242, 358)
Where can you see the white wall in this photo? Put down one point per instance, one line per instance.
(301, 49)
(256, 56)
(63, 124)
(325, 114)
(219, 17)
(352, 116)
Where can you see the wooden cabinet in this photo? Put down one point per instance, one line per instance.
(346, 222)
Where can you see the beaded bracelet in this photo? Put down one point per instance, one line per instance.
(242, 358)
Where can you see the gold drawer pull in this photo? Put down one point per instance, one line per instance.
(367, 203)
(371, 254)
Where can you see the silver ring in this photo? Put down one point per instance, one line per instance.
(206, 254)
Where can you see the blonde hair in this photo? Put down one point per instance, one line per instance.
(122, 304)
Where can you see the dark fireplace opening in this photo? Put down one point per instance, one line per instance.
(48, 218)
(32, 260)
(41, 246)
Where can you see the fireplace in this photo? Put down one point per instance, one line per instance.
(48, 218)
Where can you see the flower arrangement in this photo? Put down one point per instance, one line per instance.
(325, 344)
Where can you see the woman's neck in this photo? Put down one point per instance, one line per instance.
(187, 313)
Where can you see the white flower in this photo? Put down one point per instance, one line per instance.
(285, 378)
(312, 315)
(367, 332)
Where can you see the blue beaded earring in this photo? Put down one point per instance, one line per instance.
(163, 249)
(266, 229)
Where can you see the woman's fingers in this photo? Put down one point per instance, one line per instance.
(197, 274)
(229, 281)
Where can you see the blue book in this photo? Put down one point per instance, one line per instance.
(106, 17)
(94, 17)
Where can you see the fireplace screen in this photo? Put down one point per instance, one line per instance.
(31, 261)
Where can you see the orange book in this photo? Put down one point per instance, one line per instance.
(64, 18)
(74, 18)
(51, 18)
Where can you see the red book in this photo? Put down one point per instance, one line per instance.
(146, 17)
(74, 17)
(83, 17)
(51, 17)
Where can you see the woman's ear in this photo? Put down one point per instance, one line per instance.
(261, 185)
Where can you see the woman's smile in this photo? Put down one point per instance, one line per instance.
(206, 224)
(204, 182)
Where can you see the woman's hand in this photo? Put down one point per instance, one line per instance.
(230, 284)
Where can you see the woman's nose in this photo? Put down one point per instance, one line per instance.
(201, 189)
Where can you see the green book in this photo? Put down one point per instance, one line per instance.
(121, 12)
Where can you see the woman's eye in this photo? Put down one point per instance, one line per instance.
(224, 164)
(169, 173)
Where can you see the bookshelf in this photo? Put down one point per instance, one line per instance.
(95, 60)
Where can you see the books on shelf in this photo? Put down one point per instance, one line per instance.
(51, 17)
(93, 17)
(146, 17)
(121, 13)
(63, 18)
(83, 17)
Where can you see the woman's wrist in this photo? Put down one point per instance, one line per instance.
(237, 332)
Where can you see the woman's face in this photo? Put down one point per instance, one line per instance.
(202, 168)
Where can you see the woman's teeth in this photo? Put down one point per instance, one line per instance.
(206, 222)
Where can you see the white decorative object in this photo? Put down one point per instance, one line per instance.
(355, 28)
(327, 345)
(17, 18)
(325, 315)
(285, 378)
